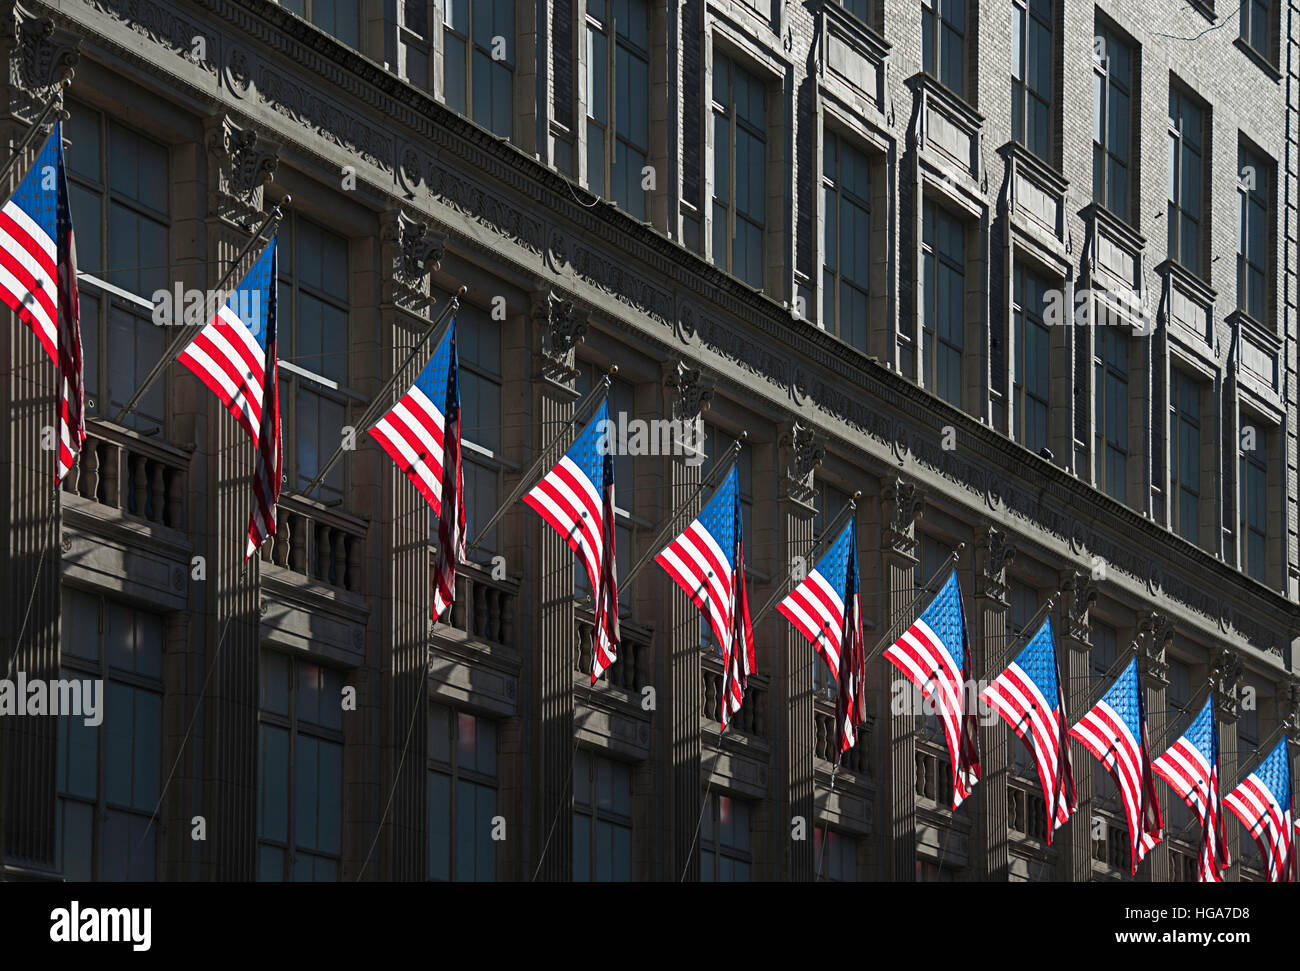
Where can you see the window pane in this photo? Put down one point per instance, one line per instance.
(273, 768)
(306, 792)
(76, 835)
(439, 826)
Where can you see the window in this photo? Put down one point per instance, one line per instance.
(1110, 406)
(929, 872)
(602, 819)
(462, 781)
(1254, 233)
(478, 347)
(943, 43)
(479, 61)
(836, 855)
(337, 17)
(1185, 463)
(109, 775)
(618, 101)
(859, 8)
(1033, 372)
(1031, 75)
(1186, 179)
(1257, 19)
(846, 243)
(739, 171)
(300, 771)
(724, 840)
(943, 315)
(1112, 122)
(118, 187)
(1254, 502)
(312, 321)
(416, 43)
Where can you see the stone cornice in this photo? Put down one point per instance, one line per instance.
(437, 159)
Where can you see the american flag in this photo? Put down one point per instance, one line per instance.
(421, 433)
(1191, 767)
(235, 356)
(1029, 698)
(708, 562)
(1263, 803)
(582, 512)
(826, 609)
(38, 282)
(1115, 731)
(934, 654)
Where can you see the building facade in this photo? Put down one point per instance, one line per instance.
(1020, 272)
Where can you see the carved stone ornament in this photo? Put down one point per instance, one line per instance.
(41, 55)
(1078, 594)
(804, 452)
(1227, 675)
(994, 553)
(562, 328)
(419, 249)
(1155, 634)
(693, 393)
(904, 504)
(243, 162)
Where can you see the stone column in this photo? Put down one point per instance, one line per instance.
(1156, 632)
(240, 162)
(989, 643)
(558, 327)
(1073, 647)
(398, 657)
(902, 504)
(792, 723)
(677, 651)
(39, 57)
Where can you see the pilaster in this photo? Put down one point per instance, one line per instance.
(990, 641)
(558, 328)
(40, 56)
(239, 164)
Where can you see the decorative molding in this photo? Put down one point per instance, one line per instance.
(41, 56)
(411, 251)
(243, 162)
(994, 552)
(904, 504)
(561, 327)
(1155, 634)
(693, 393)
(802, 451)
(1227, 674)
(1078, 593)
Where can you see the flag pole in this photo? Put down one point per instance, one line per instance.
(780, 593)
(526, 480)
(1263, 752)
(56, 99)
(1191, 705)
(887, 638)
(187, 332)
(652, 549)
(380, 398)
(1027, 633)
